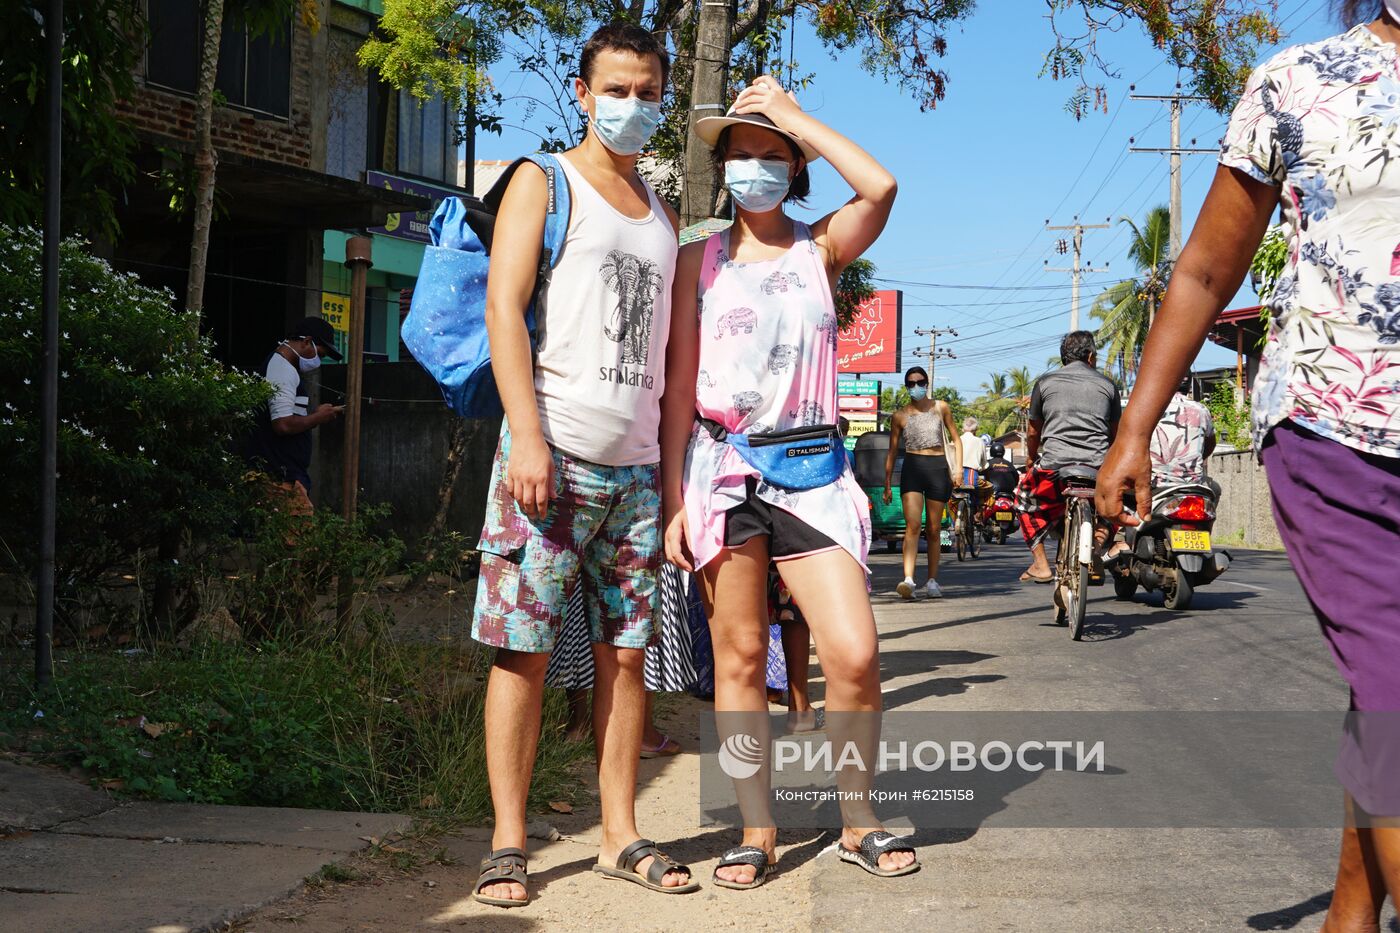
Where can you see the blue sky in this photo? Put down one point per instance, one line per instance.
(980, 175)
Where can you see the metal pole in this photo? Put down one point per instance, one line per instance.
(357, 257)
(48, 404)
(1074, 289)
(1176, 180)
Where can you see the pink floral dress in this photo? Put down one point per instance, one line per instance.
(767, 362)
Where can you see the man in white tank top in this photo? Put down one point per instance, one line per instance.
(575, 493)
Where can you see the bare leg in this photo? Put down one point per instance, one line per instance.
(619, 708)
(514, 693)
(797, 652)
(833, 585)
(579, 725)
(1040, 564)
(735, 592)
(1359, 893)
(913, 503)
(935, 537)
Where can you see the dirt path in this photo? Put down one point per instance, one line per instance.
(568, 896)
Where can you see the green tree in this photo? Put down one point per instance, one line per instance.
(145, 433)
(1124, 309)
(101, 48)
(449, 46)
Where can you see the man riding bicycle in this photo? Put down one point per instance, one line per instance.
(1073, 419)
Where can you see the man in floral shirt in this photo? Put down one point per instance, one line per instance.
(1316, 135)
(1183, 439)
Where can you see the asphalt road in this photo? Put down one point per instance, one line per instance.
(1249, 643)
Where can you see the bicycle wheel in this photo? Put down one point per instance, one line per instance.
(1078, 577)
(974, 543)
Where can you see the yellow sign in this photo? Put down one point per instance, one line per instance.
(336, 310)
(858, 426)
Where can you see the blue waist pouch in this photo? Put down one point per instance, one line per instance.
(796, 458)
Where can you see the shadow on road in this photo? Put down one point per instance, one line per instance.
(1289, 917)
(1109, 620)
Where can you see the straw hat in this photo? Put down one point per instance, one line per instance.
(709, 128)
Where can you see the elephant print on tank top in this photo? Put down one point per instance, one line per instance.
(745, 319)
(638, 283)
(781, 357)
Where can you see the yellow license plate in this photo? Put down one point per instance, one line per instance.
(1004, 516)
(1189, 540)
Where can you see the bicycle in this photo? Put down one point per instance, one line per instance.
(1075, 556)
(965, 526)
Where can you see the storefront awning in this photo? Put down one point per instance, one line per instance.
(259, 193)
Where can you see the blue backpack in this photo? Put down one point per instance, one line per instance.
(445, 329)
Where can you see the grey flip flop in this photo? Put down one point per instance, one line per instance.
(744, 855)
(626, 869)
(874, 845)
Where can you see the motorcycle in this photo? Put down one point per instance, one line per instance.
(1172, 549)
(999, 517)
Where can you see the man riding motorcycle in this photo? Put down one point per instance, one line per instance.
(1000, 473)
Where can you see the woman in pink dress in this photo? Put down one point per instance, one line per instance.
(753, 351)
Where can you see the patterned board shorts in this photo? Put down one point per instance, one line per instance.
(602, 532)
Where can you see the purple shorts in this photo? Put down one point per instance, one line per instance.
(1338, 512)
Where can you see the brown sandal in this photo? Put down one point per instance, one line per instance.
(501, 866)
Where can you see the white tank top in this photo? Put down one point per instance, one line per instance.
(603, 322)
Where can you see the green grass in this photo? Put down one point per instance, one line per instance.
(371, 726)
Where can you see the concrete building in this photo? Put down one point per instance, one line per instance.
(274, 198)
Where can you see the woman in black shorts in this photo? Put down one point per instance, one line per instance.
(926, 430)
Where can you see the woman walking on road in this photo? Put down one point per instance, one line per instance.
(1314, 133)
(925, 428)
(752, 352)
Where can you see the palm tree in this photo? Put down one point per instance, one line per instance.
(1124, 310)
(995, 386)
(1020, 384)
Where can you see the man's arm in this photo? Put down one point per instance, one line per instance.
(1032, 441)
(300, 424)
(281, 408)
(515, 257)
(1035, 420)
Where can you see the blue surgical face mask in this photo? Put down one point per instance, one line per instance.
(759, 185)
(624, 125)
(918, 393)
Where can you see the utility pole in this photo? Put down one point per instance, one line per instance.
(1177, 102)
(933, 354)
(1078, 270)
(48, 385)
(709, 73)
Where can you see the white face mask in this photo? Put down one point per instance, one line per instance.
(305, 364)
(624, 125)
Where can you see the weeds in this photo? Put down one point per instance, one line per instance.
(370, 725)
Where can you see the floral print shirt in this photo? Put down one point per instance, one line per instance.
(1179, 442)
(1321, 122)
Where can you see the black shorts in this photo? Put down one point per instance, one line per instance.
(926, 474)
(788, 535)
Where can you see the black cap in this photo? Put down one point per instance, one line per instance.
(319, 330)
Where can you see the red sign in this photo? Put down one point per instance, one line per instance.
(856, 402)
(871, 343)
